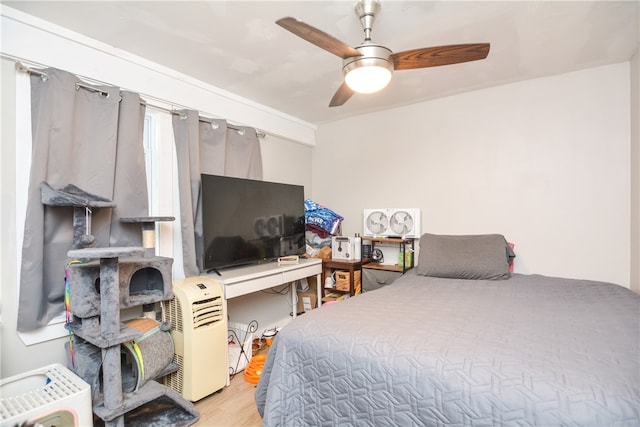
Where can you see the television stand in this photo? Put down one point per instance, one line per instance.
(249, 279)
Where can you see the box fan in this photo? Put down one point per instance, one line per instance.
(199, 330)
(392, 222)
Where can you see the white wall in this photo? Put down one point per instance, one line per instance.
(635, 172)
(544, 162)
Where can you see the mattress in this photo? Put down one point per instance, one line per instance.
(527, 351)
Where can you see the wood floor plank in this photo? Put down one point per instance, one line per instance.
(232, 406)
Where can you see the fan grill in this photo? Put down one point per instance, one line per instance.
(392, 222)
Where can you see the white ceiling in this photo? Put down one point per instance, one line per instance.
(236, 45)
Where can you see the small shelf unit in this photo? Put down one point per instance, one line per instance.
(350, 267)
(405, 246)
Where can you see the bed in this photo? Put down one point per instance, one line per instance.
(466, 350)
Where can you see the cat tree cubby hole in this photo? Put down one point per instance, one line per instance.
(142, 281)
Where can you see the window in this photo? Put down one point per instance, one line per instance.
(162, 183)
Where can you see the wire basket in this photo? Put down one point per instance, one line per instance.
(240, 338)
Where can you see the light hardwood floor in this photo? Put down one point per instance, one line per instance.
(233, 406)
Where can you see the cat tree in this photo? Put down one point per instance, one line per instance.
(104, 282)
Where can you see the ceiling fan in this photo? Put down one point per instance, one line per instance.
(367, 68)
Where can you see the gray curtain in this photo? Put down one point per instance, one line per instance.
(210, 147)
(91, 139)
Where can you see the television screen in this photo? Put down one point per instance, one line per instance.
(245, 221)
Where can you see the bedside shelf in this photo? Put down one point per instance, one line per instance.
(376, 266)
(405, 245)
(389, 239)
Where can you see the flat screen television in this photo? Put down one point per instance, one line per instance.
(246, 221)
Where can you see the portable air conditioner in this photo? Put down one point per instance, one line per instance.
(199, 329)
(391, 222)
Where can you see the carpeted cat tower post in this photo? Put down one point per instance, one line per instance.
(120, 360)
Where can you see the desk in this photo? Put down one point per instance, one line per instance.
(246, 280)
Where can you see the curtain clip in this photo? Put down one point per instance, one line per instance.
(102, 93)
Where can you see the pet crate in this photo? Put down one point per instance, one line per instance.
(47, 396)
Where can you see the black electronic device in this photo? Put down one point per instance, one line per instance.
(247, 221)
(366, 250)
(377, 255)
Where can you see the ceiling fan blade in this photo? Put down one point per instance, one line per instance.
(317, 37)
(341, 96)
(439, 55)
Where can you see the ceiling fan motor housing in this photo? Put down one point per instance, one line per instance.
(372, 55)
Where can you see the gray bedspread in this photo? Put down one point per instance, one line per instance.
(531, 350)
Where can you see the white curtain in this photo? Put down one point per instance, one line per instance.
(89, 137)
(206, 146)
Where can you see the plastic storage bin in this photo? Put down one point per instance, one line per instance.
(48, 396)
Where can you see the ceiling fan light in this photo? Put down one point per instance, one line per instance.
(369, 72)
(368, 79)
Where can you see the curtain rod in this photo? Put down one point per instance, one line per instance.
(21, 67)
(259, 133)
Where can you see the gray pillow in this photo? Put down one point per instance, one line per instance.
(478, 257)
